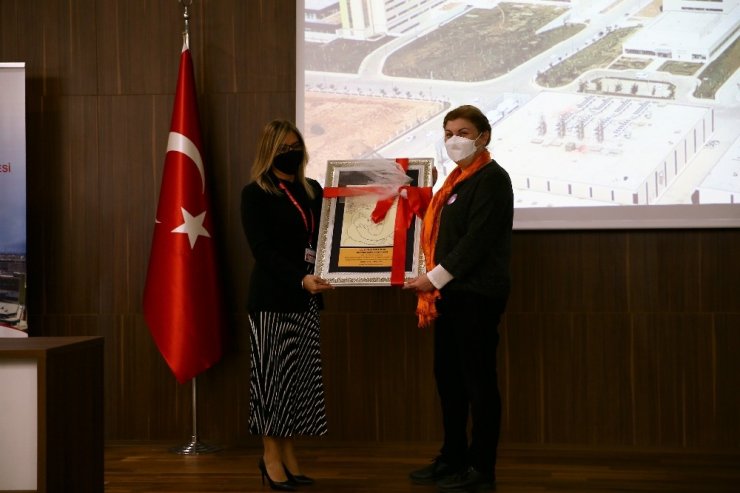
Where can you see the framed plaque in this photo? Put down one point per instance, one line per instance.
(353, 249)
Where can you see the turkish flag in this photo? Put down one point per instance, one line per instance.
(182, 299)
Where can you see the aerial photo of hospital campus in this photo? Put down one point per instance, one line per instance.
(592, 102)
(13, 290)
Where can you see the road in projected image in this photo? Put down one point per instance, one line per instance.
(592, 104)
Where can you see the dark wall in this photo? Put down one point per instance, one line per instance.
(611, 337)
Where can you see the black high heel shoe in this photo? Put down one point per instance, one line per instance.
(298, 479)
(275, 485)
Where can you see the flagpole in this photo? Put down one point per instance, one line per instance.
(186, 17)
(194, 446)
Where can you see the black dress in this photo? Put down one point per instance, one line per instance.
(286, 386)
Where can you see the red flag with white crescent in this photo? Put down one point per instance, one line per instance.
(182, 298)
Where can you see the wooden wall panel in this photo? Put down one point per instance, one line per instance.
(717, 282)
(725, 405)
(67, 39)
(259, 58)
(138, 45)
(552, 278)
(523, 374)
(661, 414)
(132, 152)
(378, 375)
(69, 167)
(664, 268)
(611, 337)
(252, 46)
(583, 359)
(9, 37)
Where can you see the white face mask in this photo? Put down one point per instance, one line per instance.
(459, 148)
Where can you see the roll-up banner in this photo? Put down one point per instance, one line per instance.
(13, 200)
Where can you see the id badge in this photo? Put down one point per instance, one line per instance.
(310, 256)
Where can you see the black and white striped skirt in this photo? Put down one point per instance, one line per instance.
(287, 390)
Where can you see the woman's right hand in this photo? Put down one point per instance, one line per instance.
(421, 283)
(315, 284)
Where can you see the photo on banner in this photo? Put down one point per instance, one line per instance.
(13, 321)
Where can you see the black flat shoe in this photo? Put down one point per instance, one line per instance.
(275, 485)
(298, 479)
(438, 470)
(470, 480)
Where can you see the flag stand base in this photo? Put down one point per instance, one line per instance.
(195, 447)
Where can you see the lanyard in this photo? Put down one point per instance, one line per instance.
(303, 214)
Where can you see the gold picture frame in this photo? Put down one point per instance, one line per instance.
(353, 250)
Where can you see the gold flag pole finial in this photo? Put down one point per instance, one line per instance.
(186, 16)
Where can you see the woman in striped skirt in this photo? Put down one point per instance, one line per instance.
(280, 211)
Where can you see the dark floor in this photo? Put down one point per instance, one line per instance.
(373, 467)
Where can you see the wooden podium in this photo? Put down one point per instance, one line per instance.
(51, 414)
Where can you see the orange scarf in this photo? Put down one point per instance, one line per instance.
(425, 308)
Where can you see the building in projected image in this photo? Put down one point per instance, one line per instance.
(321, 20)
(606, 150)
(688, 30)
(713, 6)
(722, 184)
(370, 19)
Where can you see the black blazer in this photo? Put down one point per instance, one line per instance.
(474, 241)
(278, 238)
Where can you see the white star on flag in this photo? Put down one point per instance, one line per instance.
(193, 226)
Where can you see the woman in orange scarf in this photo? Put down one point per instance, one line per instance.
(466, 239)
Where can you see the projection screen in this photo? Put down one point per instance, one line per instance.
(606, 113)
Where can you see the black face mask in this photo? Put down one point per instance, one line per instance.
(288, 162)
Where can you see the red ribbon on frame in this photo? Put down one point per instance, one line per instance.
(414, 201)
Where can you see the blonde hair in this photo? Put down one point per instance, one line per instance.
(273, 136)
